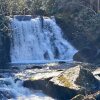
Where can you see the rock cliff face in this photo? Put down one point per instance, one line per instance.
(4, 51)
(4, 43)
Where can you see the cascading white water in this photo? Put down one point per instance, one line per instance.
(14, 90)
(36, 40)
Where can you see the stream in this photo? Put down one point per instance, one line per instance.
(11, 88)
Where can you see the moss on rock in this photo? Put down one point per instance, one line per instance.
(65, 81)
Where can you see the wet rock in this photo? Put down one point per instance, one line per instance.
(36, 67)
(23, 17)
(86, 54)
(5, 95)
(62, 62)
(1, 76)
(41, 81)
(16, 80)
(78, 97)
(65, 85)
(89, 98)
(53, 90)
(3, 82)
(97, 95)
(97, 73)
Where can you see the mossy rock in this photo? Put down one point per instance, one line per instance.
(65, 81)
(77, 78)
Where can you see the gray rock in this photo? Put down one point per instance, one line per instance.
(78, 97)
(65, 85)
(86, 54)
(77, 78)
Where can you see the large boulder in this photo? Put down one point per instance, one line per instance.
(64, 84)
(77, 78)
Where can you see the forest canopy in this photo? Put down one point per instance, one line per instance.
(12, 7)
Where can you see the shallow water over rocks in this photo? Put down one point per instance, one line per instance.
(11, 88)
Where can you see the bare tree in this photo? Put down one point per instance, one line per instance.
(98, 5)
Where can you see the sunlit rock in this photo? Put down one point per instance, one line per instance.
(78, 78)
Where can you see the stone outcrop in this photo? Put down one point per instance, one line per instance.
(4, 43)
(86, 54)
(66, 83)
(77, 78)
(78, 97)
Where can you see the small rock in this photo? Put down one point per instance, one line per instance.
(97, 95)
(89, 98)
(78, 97)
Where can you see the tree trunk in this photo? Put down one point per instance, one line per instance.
(98, 2)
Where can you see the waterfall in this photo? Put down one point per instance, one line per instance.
(38, 39)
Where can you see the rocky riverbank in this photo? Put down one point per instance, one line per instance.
(64, 81)
(60, 81)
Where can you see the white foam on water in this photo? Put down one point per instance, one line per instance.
(19, 92)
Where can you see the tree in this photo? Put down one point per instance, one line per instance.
(98, 5)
